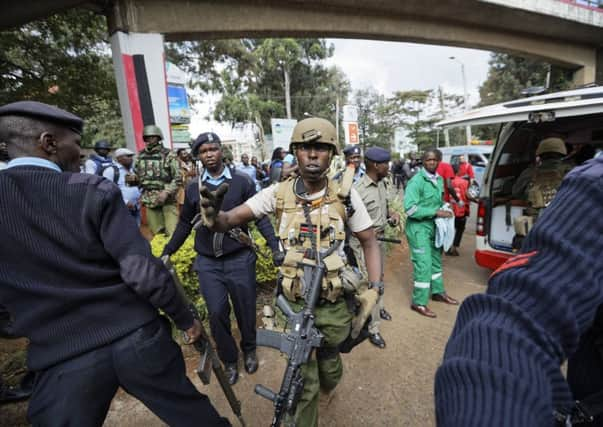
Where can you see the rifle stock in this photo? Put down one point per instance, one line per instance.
(209, 360)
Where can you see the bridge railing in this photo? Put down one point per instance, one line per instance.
(596, 5)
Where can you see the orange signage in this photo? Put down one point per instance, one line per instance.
(353, 132)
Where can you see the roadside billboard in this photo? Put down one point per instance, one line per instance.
(282, 129)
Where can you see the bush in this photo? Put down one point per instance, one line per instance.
(265, 271)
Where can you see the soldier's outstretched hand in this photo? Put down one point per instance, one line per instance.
(210, 203)
(367, 301)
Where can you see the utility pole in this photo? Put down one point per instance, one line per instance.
(337, 118)
(465, 97)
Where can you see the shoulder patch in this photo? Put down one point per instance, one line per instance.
(517, 261)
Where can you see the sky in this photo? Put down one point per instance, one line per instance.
(390, 67)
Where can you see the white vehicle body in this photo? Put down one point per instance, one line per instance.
(575, 115)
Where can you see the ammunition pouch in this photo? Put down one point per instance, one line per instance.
(523, 224)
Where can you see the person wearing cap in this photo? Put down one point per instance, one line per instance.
(539, 184)
(374, 190)
(100, 163)
(81, 284)
(423, 204)
(225, 263)
(128, 181)
(159, 178)
(353, 157)
(302, 204)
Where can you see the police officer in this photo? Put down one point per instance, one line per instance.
(225, 263)
(159, 178)
(422, 203)
(374, 191)
(100, 163)
(502, 364)
(307, 202)
(353, 157)
(81, 284)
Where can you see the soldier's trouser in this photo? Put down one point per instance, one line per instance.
(165, 217)
(373, 327)
(426, 261)
(325, 368)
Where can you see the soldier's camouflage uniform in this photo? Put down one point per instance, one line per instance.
(158, 169)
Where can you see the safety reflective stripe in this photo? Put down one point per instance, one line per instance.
(436, 276)
(412, 210)
(422, 285)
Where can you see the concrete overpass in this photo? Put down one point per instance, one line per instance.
(557, 31)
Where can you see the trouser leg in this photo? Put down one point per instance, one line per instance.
(150, 366)
(77, 392)
(240, 281)
(420, 255)
(437, 281)
(170, 218)
(373, 327)
(459, 227)
(155, 219)
(212, 283)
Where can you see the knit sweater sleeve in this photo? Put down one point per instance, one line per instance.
(139, 269)
(502, 361)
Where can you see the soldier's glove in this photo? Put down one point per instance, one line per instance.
(380, 286)
(210, 203)
(131, 180)
(367, 301)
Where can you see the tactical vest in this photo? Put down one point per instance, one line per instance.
(153, 169)
(543, 186)
(328, 216)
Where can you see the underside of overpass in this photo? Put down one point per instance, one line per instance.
(552, 30)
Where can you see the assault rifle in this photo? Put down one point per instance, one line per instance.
(297, 344)
(389, 240)
(209, 359)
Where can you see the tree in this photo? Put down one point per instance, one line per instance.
(508, 75)
(376, 121)
(47, 60)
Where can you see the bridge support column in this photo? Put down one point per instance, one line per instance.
(139, 64)
(599, 72)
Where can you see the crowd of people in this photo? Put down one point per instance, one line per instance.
(79, 280)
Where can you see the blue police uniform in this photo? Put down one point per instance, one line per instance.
(81, 284)
(542, 307)
(225, 266)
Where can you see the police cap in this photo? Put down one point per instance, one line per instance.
(205, 137)
(377, 154)
(351, 150)
(38, 110)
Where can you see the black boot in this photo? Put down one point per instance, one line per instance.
(232, 372)
(377, 340)
(251, 362)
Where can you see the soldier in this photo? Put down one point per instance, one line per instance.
(81, 284)
(159, 178)
(422, 203)
(374, 189)
(303, 204)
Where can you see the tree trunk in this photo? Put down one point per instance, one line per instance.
(287, 92)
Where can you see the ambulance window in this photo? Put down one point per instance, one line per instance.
(476, 160)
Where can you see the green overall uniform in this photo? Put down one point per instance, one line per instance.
(158, 169)
(422, 199)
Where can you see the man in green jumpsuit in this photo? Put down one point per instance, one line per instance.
(306, 201)
(422, 203)
(159, 178)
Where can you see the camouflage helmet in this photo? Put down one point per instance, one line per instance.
(551, 145)
(152, 130)
(314, 130)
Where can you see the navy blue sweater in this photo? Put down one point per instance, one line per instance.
(502, 362)
(76, 273)
(240, 188)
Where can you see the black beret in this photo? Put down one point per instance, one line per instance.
(43, 112)
(351, 150)
(202, 139)
(377, 154)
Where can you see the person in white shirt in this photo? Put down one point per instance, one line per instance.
(127, 181)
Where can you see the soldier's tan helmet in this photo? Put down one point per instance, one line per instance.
(551, 145)
(152, 130)
(314, 130)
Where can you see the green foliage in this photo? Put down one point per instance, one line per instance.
(509, 75)
(182, 261)
(265, 271)
(64, 60)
